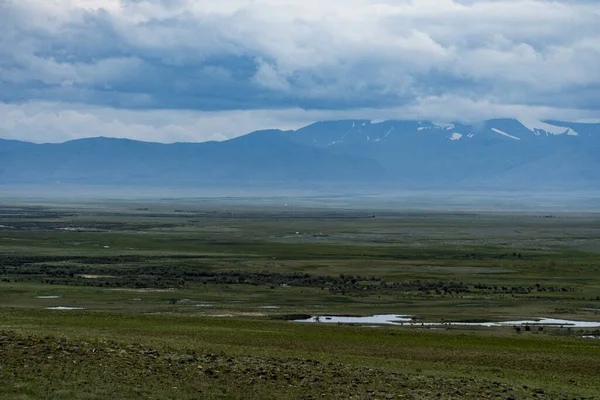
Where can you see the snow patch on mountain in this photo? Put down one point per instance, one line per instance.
(539, 126)
(456, 136)
(505, 134)
(347, 132)
(443, 125)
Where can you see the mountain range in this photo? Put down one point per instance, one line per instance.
(500, 153)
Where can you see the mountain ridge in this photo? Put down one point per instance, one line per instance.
(493, 153)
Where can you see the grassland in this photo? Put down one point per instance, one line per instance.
(193, 300)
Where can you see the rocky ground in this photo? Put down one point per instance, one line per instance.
(32, 367)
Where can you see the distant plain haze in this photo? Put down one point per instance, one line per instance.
(201, 70)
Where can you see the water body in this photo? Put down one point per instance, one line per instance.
(64, 308)
(47, 297)
(393, 319)
(390, 319)
(539, 322)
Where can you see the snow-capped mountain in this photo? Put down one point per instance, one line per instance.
(332, 133)
(501, 153)
(495, 152)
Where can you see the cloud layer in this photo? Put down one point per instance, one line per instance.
(216, 69)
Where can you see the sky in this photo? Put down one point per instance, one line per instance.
(198, 70)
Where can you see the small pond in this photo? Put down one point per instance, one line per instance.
(374, 319)
(395, 319)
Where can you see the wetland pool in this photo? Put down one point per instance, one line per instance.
(403, 320)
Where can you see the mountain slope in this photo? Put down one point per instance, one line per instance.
(259, 157)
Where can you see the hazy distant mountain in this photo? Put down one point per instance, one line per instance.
(260, 157)
(496, 153)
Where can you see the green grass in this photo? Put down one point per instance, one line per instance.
(169, 282)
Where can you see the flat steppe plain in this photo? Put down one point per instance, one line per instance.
(196, 299)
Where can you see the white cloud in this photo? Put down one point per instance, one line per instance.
(269, 76)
